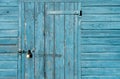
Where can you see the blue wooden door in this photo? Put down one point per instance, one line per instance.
(51, 28)
(10, 60)
(56, 40)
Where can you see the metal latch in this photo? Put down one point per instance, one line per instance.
(80, 12)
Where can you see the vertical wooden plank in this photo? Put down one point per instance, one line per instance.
(76, 43)
(29, 39)
(20, 43)
(39, 40)
(69, 45)
(22, 37)
(79, 43)
(49, 42)
(59, 42)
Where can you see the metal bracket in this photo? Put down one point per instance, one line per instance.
(80, 12)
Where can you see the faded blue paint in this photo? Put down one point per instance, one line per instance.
(100, 46)
(67, 46)
(9, 34)
(55, 29)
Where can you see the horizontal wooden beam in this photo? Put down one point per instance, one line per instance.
(51, 0)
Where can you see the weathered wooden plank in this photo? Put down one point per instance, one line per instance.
(8, 73)
(101, 10)
(49, 42)
(8, 49)
(100, 2)
(8, 18)
(9, 10)
(4, 1)
(76, 46)
(79, 44)
(22, 38)
(100, 48)
(100, 41)
(52, 0)
(61, 12)
(8, 65)
(39, 40)
(8, 26)
(7, 4)
(9, 57)
(69, 43)
(19, 56)
(100, 71)
(29, 36)
(59, 42)
(5, 41)
(100, 33)
(100, 56)
(100, 64)
(102, 18)
(8, 33)
(101, 77)
(8, 77)
(100, 25)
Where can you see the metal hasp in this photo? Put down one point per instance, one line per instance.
(20, 51)
(80, 12)
(29, 54)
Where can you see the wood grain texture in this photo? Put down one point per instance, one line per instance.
(56, 49)
(9, 39)
(49, 42)
(100, 25)
(100, 39)
(9, 10)
(29, 39)
(100, 2)
(69, 46)
(52, 1)
(39, 40)
(59, 42)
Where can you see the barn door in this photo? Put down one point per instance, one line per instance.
(9, 40)
(56, 43)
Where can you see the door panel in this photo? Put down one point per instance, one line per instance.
(9, 42)
(56, 26)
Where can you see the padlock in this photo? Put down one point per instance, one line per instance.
(29, 54)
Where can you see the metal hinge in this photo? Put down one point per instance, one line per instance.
(80, 12)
